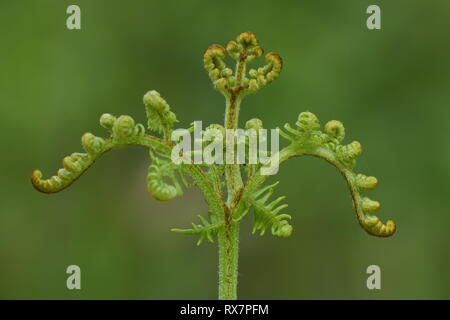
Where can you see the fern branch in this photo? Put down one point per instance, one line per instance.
(123, 132)
(212, 195)
(307, 139)
(267, 213)
(205, 230)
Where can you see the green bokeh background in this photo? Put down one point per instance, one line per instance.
(389, 87)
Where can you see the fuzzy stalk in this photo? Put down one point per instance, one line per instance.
(232, 171)
(228, 261)
(228, 237)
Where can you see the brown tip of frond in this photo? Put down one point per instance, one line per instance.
(39, 184)
(247, 38)
(275, 59)
(375, 227)
(216, 50)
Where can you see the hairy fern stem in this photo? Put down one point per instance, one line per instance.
(228, 237)
(228, 261)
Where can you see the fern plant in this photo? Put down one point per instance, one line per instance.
(231, 190)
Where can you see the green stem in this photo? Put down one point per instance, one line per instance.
(229, 235)
(232, 171)
(228, 261)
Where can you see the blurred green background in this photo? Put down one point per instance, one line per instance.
(389, 87)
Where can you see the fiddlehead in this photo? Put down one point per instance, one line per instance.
(220, 75)
(244, 50)
(307, 139)
(158, 172)
(160, 118)
(261, 77)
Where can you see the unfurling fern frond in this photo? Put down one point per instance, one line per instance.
(73, 167)
(261, 77)
(160, 189)
(160, 118)
(205, 230)
(221, 76)
(364, 206)
(244, 50)
(267, 213)
(308, 139)
(158, 172)
(123, 131)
